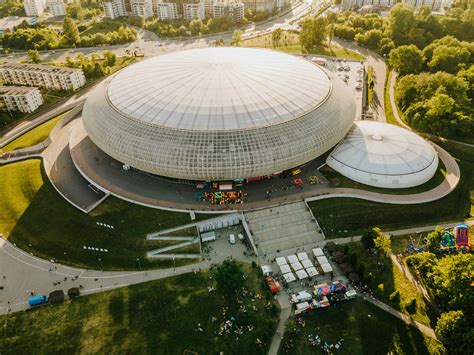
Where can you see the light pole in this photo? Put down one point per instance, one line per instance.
(67, 257)
(139, 264)
(101, 265)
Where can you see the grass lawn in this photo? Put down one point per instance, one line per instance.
(39, 220)
(384, 278)
(436, 180)
(342, 217)
(104, 26)
(388, 106)
(365, 329)
(158, 317)
(290, 43)
(34, 136)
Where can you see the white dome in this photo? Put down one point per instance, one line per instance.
(219, 89)
(384, 155)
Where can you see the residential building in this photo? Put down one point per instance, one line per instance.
(165, 11)
(57, 7)
(8, 23)
(280, 3)
(259, 5)
(355, 4)
(20, 98)
(434, 5)
(209, 7)
(142, 8)
(48, 76)
(194, 10)
(232, 9)
(114, 9)
(33, 7)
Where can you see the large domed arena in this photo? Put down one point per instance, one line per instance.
(219, 113)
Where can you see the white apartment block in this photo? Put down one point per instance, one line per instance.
(194, 10)
(47, 76)
(355, 4)
(234, 10)
(434, 5)
(57, 7)
(20, 98)
(280, 3)
(209, 7)
(165, 11)
(33, 7)
(114, 9)
(142, 8)
(259, 5)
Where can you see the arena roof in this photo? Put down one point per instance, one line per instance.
(281, 112)
(384, 155)
(219, 89)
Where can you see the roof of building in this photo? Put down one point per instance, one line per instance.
(16, 90)
(39, 67)
(384, 155)
(219, 89)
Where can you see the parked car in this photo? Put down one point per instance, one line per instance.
(232, 239)
(358, 86)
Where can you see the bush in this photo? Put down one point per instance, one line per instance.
(411, 306)
(353, 259)
(380, 290)
(395, 297)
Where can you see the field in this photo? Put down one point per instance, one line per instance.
(158, 317)
(365, 329)
(104, 26)
(34, 136)
(39, 220)
(290, 43)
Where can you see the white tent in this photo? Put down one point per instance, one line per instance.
(318, 252)
(289, 277)
(307, 263)
(322, 260)
(297, 266)
(266, 270)
(281, 260)
(301, 274)
(302, 256)
(312, 271)
(326, 268)
(285, 269)
(292, 259)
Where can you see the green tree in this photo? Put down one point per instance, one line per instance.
(400, 23)
(196, 26)
(313, 32)
(229, 277)
(34, 56)
(406, 59)
(454, 328)
(411, 306)
(236, 38)
(434, 239)
(276, 37)
(110, 58)
(368, 237)
(70, 32)
(449, 59)
(383, 243)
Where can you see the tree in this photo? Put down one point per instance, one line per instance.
(454, 328)
(70, 32)
(313, 32)
(370, 39)
(110, 58)
(276, 37)
(406, 59)
(448, 59)
(196, 26)
(368, 237)
(34, 56)
(383, 243)
(236, 38)
(229, 277)
(434, 239)
(400, 23)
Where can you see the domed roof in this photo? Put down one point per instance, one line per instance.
(384, 155)
(219, 89)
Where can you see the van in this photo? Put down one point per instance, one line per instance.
(232, 239)
(241, 237)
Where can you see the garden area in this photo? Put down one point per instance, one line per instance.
(192, 313)
(38, 220)
(364, 328)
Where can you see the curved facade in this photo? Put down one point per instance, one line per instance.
(384, 155)
(219, 113)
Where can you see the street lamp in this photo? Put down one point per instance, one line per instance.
(101, 265)
(67, 257)
(139, 264)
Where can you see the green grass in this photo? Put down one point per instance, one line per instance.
(39, 220)
(370, 85)
(290, 43)
(365, 329)
(389, 115)
(158, 317)
(384, 278)
(436, 180)
(104, 26)
(34, 136)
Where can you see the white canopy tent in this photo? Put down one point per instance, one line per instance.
(322, 260)
(292, 259)
(307, 263)
(289, 277)
(312, 271)
(326, 268)
(297, 266)
(302, 256)
(281, 261)
(318, 252)
(301, 274)
(285, 269)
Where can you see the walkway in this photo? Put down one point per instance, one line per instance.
(393, 79)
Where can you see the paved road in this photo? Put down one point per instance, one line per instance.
(278, 336)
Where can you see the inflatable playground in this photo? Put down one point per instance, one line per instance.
(455, 241)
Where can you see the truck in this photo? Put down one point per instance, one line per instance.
(37, 300)
(273, 285)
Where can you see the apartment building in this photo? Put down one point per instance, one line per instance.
(259, 5)
(56, 7)
(194, 10)
(142, 8)
(280, 3)
(114, 9)
(209, 7)
(47, 76)
(434, 5)
(20, 98)
(234, 10)
(355, 4)
(33, 7)
(164, 11)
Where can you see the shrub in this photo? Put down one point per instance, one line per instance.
(411, 306)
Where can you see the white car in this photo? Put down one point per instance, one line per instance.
(358, 86)
(232, 239)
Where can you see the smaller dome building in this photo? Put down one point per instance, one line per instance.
(384, 155)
